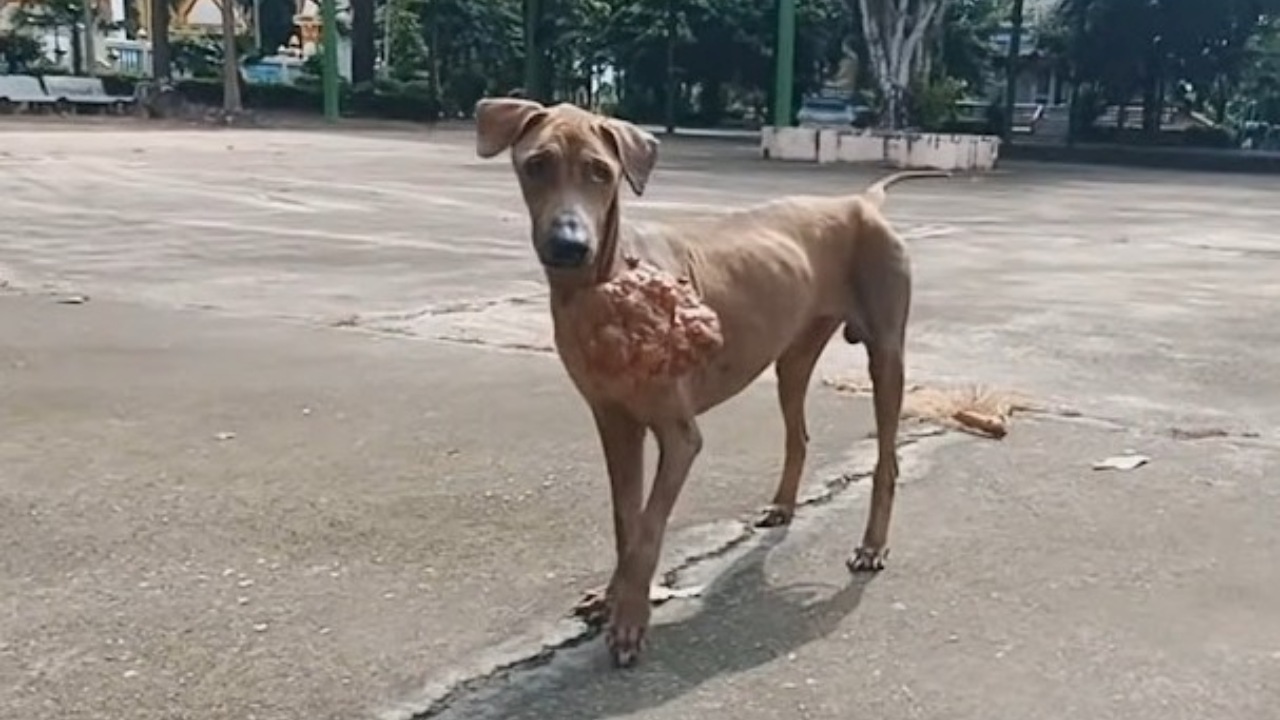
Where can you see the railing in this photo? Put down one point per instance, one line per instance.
(129, 57)
(1110, 117)
(1026, 116)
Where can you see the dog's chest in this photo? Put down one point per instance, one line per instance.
(597, 382)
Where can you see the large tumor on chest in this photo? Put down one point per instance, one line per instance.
(646, 325)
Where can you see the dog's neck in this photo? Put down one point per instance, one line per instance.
(607, 258)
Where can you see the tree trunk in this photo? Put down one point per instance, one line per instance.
(895, 31)
(1012, 66)
(670, 110)
(1151, 109)
(230, 60)
(77, 49)
(1152, 91)
(1076, 122)
(363, 46)
(1220, 105)
(90, 45)
(433, 48)
(161, 56)
(532, 50)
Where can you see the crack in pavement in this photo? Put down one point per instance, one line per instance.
(417, 323)
(552, 658)
(457, 307)
(523, 663)
(481, 342)
(571, 634)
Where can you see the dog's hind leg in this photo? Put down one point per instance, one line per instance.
(794, 369)
(883, 289)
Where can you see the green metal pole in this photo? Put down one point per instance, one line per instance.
(784, 63)
(329, 13)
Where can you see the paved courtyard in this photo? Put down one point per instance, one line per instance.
(283, 438)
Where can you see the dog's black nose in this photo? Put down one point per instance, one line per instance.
(568, 242)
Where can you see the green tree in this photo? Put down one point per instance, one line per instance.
(55, 15)
(363, 40)
(407, 47)
(895, 32)
(275, 23)
(1258, 99)
(1187, 51)
(721, 53)
(962, 48)
(19, 50)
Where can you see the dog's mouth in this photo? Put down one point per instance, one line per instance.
(566, 256)
(553, 263)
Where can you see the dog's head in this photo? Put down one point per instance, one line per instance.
(571, 164)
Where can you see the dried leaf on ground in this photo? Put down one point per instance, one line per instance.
(973, 409)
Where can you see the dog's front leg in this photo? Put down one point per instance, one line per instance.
(679, 442)
(622, 439)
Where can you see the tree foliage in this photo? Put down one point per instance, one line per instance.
(712, 61)
(895, 33)
(1191, 53)
(613, 53)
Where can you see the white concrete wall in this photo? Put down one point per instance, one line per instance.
(789, 143)
(901, 150)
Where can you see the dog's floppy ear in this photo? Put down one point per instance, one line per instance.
(637, 150)
(501, 121)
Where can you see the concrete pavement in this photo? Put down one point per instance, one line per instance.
(212, 517)
(1024, 585)
(304, 453)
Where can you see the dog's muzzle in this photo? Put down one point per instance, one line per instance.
(568, 242)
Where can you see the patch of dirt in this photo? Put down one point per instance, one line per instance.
(974, 409)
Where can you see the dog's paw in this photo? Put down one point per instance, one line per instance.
(628, 627)
(593, 608)
(775, 516)
(867, 560)
(625, 644)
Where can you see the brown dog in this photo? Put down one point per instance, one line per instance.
(781, 278)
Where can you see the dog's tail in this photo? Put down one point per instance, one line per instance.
(877, 193)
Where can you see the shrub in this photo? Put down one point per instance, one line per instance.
(1209, 137)
(932, 104)
(119, 84)
(395, 100)
(384, 98)
(19, 51)
(200, 91)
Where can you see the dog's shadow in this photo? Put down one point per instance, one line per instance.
(743, 623)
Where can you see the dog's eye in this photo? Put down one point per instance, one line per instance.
(536, 165)
(599, 171)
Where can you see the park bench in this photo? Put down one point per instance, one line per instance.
(67, 90)
(22, 92)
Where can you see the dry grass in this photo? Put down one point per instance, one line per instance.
(974, 409)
